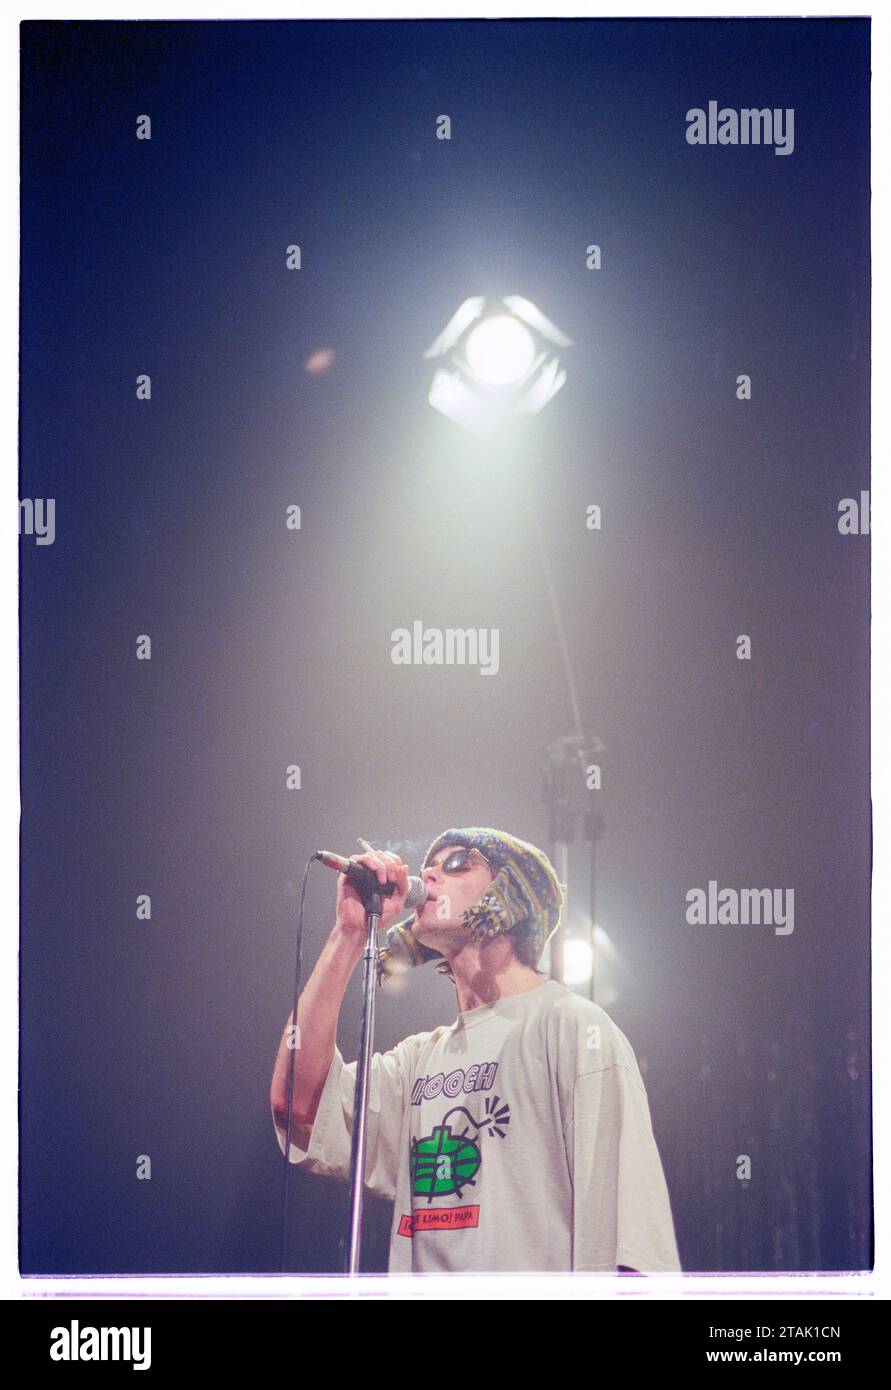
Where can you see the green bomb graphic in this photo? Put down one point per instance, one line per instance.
(443, 1163)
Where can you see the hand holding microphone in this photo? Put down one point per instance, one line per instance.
(384, 870)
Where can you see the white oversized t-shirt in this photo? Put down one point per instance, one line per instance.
(518, 1138)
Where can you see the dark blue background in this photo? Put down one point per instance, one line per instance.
(271, 647)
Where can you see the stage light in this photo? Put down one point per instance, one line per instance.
(586, 954)
(578, 961)
(495, 359)
(500, 350)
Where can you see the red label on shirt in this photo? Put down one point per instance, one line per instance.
(439, 1219)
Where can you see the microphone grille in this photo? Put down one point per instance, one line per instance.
(417, 893)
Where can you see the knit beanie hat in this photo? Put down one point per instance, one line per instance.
(524, 897)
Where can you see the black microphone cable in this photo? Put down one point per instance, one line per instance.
(295, 1040)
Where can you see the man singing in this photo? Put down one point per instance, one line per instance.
(516, 1138)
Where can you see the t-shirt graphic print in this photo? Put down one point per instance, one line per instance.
(446, 1162)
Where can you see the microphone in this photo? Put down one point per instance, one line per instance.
(366, 880)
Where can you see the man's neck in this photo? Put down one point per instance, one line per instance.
(484, 973)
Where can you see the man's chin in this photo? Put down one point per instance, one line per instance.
(432, 933)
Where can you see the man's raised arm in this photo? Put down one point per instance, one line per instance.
(318, 1009)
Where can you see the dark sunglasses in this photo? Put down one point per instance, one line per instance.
(460, 860)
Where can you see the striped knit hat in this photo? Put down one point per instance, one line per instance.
(524, 897)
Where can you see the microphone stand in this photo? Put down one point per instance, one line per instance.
(373, 904)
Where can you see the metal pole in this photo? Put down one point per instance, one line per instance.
(363, 1076)
(561, 632)
(593, 832)
(561, 864)
(592, 896)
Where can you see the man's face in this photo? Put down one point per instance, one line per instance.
(440, 917)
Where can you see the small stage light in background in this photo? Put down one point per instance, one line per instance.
(578, 961)
(319, 361)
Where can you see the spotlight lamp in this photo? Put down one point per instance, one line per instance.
(494, 360)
